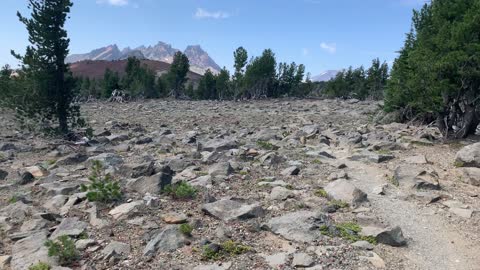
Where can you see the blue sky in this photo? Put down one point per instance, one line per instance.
(322, 34)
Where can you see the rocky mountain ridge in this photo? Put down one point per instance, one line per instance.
(200, 60)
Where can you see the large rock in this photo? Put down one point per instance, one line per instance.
(69, 226)
(152, 184)
(471, 176)
(107, 160)
(116, 248)
(392, 237)
(167, 240)
(301, 226)
(125, 210)
(72, 159)
(138, 170)
(374, 157)
(469, 156)
(232, 209)
(3, 174)
(411, 176)
(30, 251)
(343, 190)
(220, 169)
(220, 145)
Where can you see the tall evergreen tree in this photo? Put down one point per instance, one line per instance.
(51, 93)
(177, 76)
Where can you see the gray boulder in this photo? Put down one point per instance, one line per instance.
(471, 176)
(69, 226)
(343, 190)
(116, 248)
(167, 240)
(72, 159)
(469, 156)
(152, 184)
(220, 169)
(411, 176)
(301, 226)
(216, 145)
(232, 209)
(138, 170)
(29, 251)
(107, 160)
(3, 174)
(392, 237)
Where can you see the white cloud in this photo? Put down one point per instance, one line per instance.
(117, 3)
(205, 14)
(305, 51)
(329, 47)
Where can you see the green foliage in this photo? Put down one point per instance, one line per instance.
(40, 266)
(347, 230)
(437, 73)
(138, 80)
(64, 249)
(45, 84)
(260, 75)
(186, 229)
(181, 190)
(321, 193)
(177, 76)
(102, 188)
(227, 249)
(111, 82)
(339, 204)
(266, 145)
(358, 83)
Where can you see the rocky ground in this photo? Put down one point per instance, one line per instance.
(282, 184)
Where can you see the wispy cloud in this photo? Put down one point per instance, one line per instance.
(305, 51)
(205, 14)
(329, 47)
(117, 3)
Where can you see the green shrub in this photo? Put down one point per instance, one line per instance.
(181, 190)
(186, 229)
(266, 145)
(321, 193)
(338, 203)
(347, 230)
(64, 249)
(40, 266)
(103, 188)
(227, 248)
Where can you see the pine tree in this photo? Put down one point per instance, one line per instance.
(177, 76)
(51, 93)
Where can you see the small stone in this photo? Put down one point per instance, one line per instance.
(363, 245)
(37, 171)
(174, 218)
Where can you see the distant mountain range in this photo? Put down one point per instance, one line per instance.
(325, 76)
(200, 61)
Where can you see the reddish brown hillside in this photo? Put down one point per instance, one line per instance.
(96, 69)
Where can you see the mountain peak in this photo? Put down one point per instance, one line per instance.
(200, 61)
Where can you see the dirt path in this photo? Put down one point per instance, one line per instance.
(432, 243)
